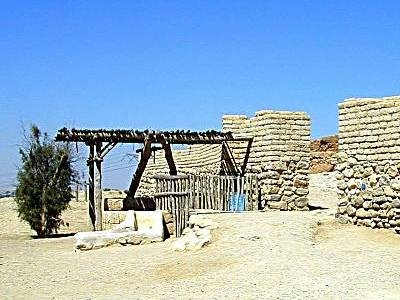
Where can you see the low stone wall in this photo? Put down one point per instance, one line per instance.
(369, 162)
(280, 155)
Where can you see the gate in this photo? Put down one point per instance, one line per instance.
(181, 193)
(172, 194)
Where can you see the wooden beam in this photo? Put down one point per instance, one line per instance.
(104, 151)
(98, 195)
(135, 136)
(90, 163)
(146, 153)
(168, 156)
(162, 176)
(246, 157)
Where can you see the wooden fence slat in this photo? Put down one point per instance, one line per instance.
(215, 194)
(218, 187)
(251, 192)
(197, 192)
(208, 179)
(225, 188)
(203, 190)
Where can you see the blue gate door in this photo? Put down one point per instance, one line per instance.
(236, 202)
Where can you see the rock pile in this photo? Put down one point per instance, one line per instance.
(197, 235)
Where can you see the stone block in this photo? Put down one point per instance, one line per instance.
(350, 210)
(301, 202)
(281, 205)
(342, 157)
(349, 172)
(352, 183)
(341, 184)
(362, 213)
(388, 191)
(357, 201)
(301, 191)
(395, 184)
(99, 239)
(300, 181)
(113, 203)
(150, 222)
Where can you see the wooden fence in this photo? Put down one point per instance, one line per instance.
(217, 192)
(181, 193)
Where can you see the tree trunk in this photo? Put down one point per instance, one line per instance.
(43, 213)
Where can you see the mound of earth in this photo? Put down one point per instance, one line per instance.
(323, 152)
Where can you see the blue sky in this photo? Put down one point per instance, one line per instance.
(183, 64)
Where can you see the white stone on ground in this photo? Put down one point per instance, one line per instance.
(139, 227)
(197, 235)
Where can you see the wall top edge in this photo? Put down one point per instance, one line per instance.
(272, 113)
(350, 102)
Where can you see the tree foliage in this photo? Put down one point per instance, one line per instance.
(44, 182)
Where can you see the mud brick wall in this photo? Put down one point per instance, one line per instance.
(195, 159)
(369, 162)
(280, 155)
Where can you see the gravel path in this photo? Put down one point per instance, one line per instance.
(269, 255)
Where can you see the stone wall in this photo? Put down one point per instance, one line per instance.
(369, 162)
(280, 155)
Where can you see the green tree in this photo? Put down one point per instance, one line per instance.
(44, 182)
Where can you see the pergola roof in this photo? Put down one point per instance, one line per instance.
(95, 138)
(136, 136)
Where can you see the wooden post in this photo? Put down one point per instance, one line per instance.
(77, 192)
(85, 186)
(98, 195)
(91, 210)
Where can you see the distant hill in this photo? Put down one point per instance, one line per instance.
(5, 194)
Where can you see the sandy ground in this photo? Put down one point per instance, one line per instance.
(254, 255)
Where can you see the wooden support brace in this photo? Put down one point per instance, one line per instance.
(168, 156)
(146, 153)
(229, 160)
(107, 148)
(246, 158)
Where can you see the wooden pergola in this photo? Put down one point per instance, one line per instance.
(101, 142)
